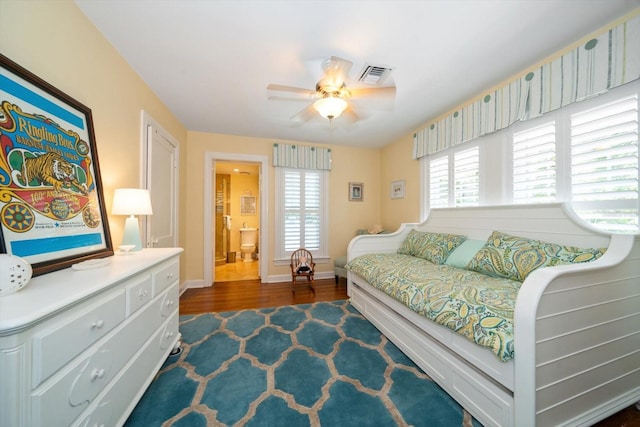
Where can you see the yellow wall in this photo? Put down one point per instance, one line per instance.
(56, 42)
(344, 216)
(398, 164)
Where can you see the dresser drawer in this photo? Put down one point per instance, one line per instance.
(138, 294)
(102, 415)
(115, 406)
(169, 303)
(61, 400)
(170, 334)
(166, 277)
(69, 336)
(72, 390)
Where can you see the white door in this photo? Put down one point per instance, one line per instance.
(162, 183)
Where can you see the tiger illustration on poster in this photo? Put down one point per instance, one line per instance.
(50, 168)
(44, 173)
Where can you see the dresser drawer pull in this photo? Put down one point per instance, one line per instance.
(97, 324)
(169, 335)
(170, 276)
(143, 293)
(97, 374)
(170, 303)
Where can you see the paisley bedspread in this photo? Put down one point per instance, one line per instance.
(475, 305)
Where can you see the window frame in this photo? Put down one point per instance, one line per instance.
(450, 155)
(321, 255)
(562, 119)
(524, 127)
(496, 157)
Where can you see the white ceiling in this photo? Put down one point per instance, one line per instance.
(211, 61)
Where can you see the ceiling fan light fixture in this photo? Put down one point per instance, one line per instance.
(330, 107)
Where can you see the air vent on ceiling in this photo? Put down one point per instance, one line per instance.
(373, 75)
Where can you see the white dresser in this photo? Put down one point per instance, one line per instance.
(80, 347)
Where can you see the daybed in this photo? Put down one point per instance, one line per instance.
(341, 261)
(574, 357)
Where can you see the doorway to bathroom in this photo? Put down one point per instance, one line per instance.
(237, 218)
(235, 240)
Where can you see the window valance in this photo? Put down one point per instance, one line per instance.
(602, 63)
(301, 157)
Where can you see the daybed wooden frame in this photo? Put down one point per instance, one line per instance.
(577, 327)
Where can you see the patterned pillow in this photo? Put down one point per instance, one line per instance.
(515, 257)
(434, 247)
(408, 245)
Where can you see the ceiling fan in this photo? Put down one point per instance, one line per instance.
(332, 97)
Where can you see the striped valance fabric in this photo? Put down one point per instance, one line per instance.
(600, 64)
(301, 157)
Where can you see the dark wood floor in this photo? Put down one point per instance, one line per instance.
(249, 294)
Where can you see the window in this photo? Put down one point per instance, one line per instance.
(585, 154)
(454, 178)
(534, 164)
(466, 168)
(439, 182)
(302, 197)
(604, 164)
(594, 167)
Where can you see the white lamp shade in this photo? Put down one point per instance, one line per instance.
(131, 201)
(330, 107)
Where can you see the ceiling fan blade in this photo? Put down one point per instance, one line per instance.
(377, 92)
(304, 115)
(336, 71)
(283, 88)
(349, 116)
(343, 65)
(288, 98)
(380, 98)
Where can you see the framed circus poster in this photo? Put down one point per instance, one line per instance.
(52, 210)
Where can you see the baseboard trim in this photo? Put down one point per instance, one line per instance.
(280, 278)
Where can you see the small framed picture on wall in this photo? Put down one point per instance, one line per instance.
(397, 189)
(356, 191)
(247, 205)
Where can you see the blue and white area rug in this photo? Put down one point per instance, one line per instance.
(319, 364)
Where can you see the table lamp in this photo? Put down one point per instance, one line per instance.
(132, 202)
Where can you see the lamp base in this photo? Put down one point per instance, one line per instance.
(132, 234)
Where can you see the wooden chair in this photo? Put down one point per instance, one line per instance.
(296, 258)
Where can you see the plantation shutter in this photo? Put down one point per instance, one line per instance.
(302, 193)
(466, 168)
(439, 182)
(534, 164)
(604, 164)
(311, 224)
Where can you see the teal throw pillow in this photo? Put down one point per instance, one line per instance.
(461, 256)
